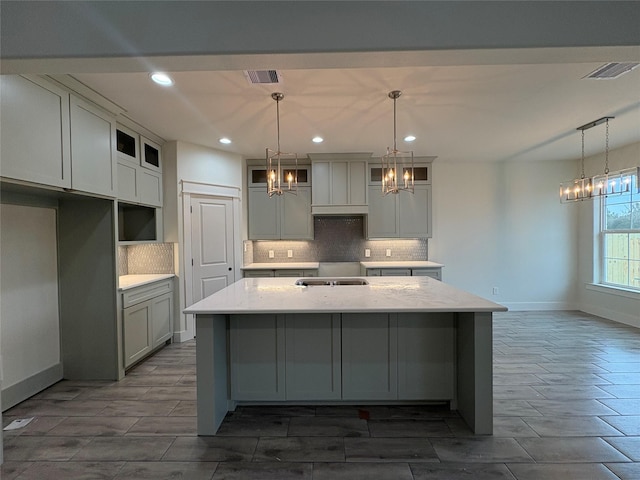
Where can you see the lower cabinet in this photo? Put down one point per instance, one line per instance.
(147, 318)
(312, 356)
(369, 356)
(351, 357)
(433, 272)
(257, 357)
(280, 273)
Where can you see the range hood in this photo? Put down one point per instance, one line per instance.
(339, 209)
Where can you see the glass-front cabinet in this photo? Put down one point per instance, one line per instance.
(279, 217)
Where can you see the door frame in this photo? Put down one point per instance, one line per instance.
(186, 325)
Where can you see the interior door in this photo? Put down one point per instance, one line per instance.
(211, 245)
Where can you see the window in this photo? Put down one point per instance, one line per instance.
(621, 238)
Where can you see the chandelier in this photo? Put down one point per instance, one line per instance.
(282, 168)
(397, 166)
(603, 185)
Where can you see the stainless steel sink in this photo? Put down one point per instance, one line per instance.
(330, 282)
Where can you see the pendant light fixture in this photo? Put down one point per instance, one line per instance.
(603, 185)
(282, 168)
(397, 166)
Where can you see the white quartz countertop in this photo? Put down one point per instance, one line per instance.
(126, 282)
(282, 266)
(402, 264)
(383, 294)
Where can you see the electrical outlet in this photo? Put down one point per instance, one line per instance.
(289, 253)
(367, 252)
(496, 291)
(388, 252)
(245, 247)
(271, 254)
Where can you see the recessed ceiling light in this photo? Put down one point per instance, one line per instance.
(161, 79)
(317, 139)
(409, 138)
(225, 140)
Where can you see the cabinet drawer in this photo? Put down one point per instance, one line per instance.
(145, 292)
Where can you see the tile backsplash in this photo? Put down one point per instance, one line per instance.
(337, 239)
(146, 258)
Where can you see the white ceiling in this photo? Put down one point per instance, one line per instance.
(503, 111)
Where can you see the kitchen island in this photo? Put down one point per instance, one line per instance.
(393, 340)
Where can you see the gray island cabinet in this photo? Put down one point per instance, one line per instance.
(396, 339)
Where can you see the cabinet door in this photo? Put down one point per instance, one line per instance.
(426, 356)
(369, 356)
(93, 149)
(137, 332)
(415, 212)
(257, 357)
(395, 272)
(289, 273)
(357, 183)
(427, 272)
(258, 273)
(150, 187)
(296, 222)
(127, 181)
(162, 318)
(264, 215)
(313, 356)
(321, 172)
(339, 183)
(382, 219)
(35, 131)
(150, 155)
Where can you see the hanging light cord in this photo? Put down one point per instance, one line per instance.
(582, 176)
(606, 149)
(278, 121)
(394, 123)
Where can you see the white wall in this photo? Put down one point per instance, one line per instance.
(29, 309)
(606, 302)
(192, 163)
(502, 225)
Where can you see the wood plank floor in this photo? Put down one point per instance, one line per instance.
(566, 405)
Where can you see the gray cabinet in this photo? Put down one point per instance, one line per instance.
(35, 143)
(53, 138)
(280, 273)
(426, 351)
(369, 356)
(284, 217)
(433, 272)
(93, 149)
(339, 183)
(257, 357)
(312, 356)
(147, 318)
(405, 215)
(350, 357)
(139, 169)
(427, 272)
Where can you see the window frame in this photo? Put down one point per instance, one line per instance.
(604, 233)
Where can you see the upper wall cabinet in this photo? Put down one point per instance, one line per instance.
(54, 138)
(339, 183)
(35, 131)
(93, 149)
(280, 217)
(402, 215)
(139, 168)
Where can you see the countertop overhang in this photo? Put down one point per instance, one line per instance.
(126, 282)
(383, 294)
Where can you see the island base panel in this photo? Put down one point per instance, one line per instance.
(475, 371)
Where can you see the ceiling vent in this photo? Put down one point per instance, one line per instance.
(612, 70)
(263, 77)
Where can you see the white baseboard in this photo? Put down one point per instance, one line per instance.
(28, 387)
(538, 306)
(182, 336)
(620, 317)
